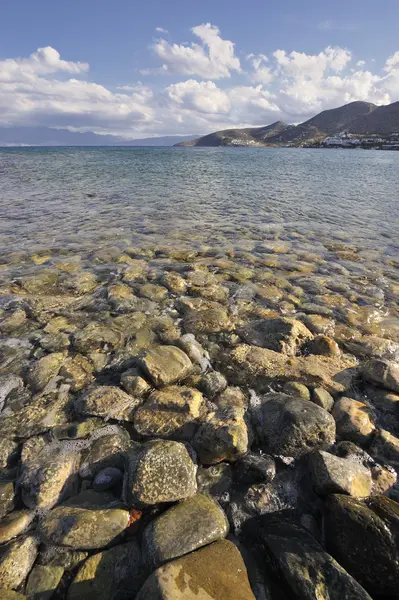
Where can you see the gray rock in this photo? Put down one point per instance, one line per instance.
(165, 365)
(45, 369)
(77, 372)
(97, 336)
(292, 427)
(159, 471)
(231, 397)
(108, 402)
(109, 450)
(308, 571)
(333, 475)
(215, 480)
(58, 556)
(363, 536)
(292, 388)
(373, 347)
(354, 420)
(280, 334)
(83, 528)
(16, 560)
(216, 572)
(107, 478)
(223, 436)
(382, 372)
(254, 468)
(322, 398)
(212, 383)
(183, 528)
(134, 384)
(43, 582)
(14, 524)
(8, 454)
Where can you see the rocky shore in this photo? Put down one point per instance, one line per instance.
(182, 424)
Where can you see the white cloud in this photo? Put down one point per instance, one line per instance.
(161, 30)
(360, 63)
(213, 59)
(44, 61)
(332, 26)
(261, 72)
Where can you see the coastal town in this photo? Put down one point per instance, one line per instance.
(354, 141)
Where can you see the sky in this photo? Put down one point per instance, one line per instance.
(139, 68)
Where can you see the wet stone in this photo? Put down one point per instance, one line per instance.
(108, 402)
(59, 556)
(231, 397)
(16, 560)
(107, 478)
(333, 475)
(212, 320)
(323, 345)
(254, 468)
(43, 582)
(159, 471)
(96, 337)
(44, 369)
(212, 383)
(7, 495)
(223, 436)
(215, 480)
(77, 372)
(14, 524)
(281, 335)
(134, 384)
(108, 450)
(322, 398)
(183, 528)
(299, 390)
(157, 293)
(382, 372)
(354, 420)
(165, 365)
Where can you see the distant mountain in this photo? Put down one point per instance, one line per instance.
(46, 136)
(357, 117)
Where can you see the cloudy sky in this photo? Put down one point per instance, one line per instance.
(141, 68)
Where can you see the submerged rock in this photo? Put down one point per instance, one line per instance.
(215, 480)
(216, 572)
(165, 365)
(212, 320)
(183, 528)
(281, 335)
(159, 471)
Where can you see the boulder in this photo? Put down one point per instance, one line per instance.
(290, 426)
(354, 420)
(171, 413)
(292, 388)
(216, 572)
(299, 561)
(83, 528)
(43, 581)
(41, 371)
(165, 365)
(254, 468)
(363, 536)
(134, 384)
(114, 573)
(211, 384)
(231, 397)
(211, 320)
(322, 398)
(385, 448)
(281, 334)
(323, 345)
(108, 450)
(382, 372)
(77, 372)
(223, 436)
(16, 560)
(108, 402)
(14, 524)
(333, 475)
(159, 471)
(183, 528)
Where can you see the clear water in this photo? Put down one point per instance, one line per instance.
(196, 196)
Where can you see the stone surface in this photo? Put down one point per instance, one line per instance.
(301, 563)
(41, 371)
(223, 436)
(83, 528)
(48, 478)
(385, 447)
(43, 582)
(10, 595)
(354, 420)
(324, 345)
(77, 372)
(259, 367)
(216, 572)
(7, 494)
(107, 478)
(165, 365)
(292, 427)
(108, 575)
(16, 560)
(171, 413)
(159, 471)
(183, 528)
(215, 480)
(59, 556)
(134, 384)
(14, 524)
(333, 475)
(281, 334)
(107, 402)
(382, 372)
(211, 384)
(96, 337)
(107, 451)
(363, 536)
(374, 347)
(254, 468)
(211, 320)
(297, 389)
(322, 398)
(231, 397)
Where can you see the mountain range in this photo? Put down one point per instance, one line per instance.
(362, 118)
(47, 136)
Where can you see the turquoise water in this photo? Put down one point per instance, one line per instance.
(82, 198)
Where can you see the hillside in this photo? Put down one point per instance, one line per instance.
(357, 117)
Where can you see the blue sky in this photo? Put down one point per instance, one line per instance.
(216, 64)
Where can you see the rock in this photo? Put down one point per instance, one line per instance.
(49, 477)
(194, 350)
(363, 536)
(58, 556)
(212, 320)
(159, 471)
(108, 450)
(215, 480)
(373, 347)
(165, 365)
(292, 388)
(107, 401)
(121, 297)
(354, 420)
(216, 572)
(43, 582)
(77, 372)
(385, 447)
(83, 528)
(382, 372)
(290, 426)
(384, 478)
(258, 368)
(174, 282)
(107, 478)
(254, 468)
(96, 337)
(333, 475)
(183, 528)
(14, 524)
(281, 335)
(157, 293)
(41, 371)
(211, 384)
(6, 497)
(8, 453)
(170, 413)
(10, 595)
(78, 429)
(16, 560)
(114, 573)
(223, 436)
(307, 570)
(231, 397)
(134, 384)
(322, 398)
